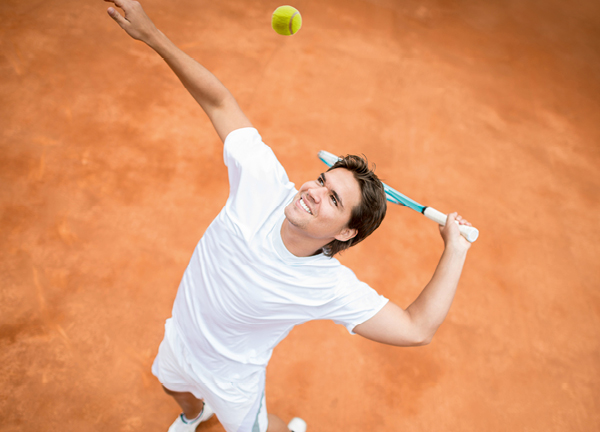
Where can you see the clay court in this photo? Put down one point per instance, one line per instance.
(110, 173)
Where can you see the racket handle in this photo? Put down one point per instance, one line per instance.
(470, 233)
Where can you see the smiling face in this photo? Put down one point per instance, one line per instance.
(321, 209)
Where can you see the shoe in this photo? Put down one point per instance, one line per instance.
(181, 424)
(297, 425)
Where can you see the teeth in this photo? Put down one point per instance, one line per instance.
(304, 206)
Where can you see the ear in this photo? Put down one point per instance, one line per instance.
(346, 234)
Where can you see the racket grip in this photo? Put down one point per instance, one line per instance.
(470, 233)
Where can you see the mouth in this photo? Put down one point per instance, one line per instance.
(304, 206)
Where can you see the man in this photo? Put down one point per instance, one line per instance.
(265, 264)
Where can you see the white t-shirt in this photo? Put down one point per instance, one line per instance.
(243, 291)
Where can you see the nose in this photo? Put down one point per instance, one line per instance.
(316, 193)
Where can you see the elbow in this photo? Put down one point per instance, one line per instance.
(422, 342)
(426, 341)
(423, 339)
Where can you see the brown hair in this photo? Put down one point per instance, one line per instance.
(368, 215)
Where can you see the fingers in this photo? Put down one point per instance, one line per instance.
(123, 4)
(118, 3)
(458, 219)
(451, 233)
(126, 5)
(462, 221)
(452, 217)
(116, 16)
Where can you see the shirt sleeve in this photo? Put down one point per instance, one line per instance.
(257, 181)
(356, 302)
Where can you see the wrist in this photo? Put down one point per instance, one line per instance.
(459, 250)
(155, 40)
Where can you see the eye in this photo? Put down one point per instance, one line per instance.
(321, 182)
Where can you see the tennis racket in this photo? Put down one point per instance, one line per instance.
(395, 197)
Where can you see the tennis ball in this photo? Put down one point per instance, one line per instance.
(286, 20)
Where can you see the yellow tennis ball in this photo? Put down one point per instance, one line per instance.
(286, 20)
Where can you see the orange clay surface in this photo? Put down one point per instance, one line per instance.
(110, 173)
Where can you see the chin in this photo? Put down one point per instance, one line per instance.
(293, 217)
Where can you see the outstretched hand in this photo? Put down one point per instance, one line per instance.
(451, 234)
(135, 22)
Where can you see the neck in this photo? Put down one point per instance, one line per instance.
(298, 243)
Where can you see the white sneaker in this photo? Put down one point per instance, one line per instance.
(297, 425)
(181, 424)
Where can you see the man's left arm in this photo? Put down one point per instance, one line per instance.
(418, 323)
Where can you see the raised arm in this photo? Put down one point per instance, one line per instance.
(214, 98)
(418, 323)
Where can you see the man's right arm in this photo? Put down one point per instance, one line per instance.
(214, 98)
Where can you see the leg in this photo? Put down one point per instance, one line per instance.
(276, 424)
(190, 405)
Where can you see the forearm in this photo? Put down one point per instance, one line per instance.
(204, 87)
(429, 310)
(418, 323)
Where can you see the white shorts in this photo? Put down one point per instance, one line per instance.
(239, 407)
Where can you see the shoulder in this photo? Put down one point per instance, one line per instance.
(238, 140)
(258, 182)
(245, 144)
(244, 151)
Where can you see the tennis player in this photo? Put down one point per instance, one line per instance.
(265, 264)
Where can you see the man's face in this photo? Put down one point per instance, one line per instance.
(321, 209)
